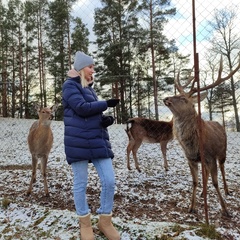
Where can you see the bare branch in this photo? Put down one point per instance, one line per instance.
(219, 80)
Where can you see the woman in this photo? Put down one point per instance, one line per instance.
(86, 140)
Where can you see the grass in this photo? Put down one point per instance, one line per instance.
(209, 231)
(5, 203)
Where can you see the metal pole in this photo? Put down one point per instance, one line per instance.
(196, 74)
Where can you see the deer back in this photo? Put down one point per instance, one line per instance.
(149, 130)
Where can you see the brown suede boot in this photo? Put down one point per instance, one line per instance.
(86, 230)
(106, 227)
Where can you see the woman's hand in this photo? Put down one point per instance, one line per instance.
(112, 102)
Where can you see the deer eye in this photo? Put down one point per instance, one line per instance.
(183, 99)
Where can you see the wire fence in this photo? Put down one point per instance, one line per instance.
(216, 34)
(172, 51)
(216, 31)
(213, 25)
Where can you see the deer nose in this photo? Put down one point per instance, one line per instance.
(51, 116)
(165, 99)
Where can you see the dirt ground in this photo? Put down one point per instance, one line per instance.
(137, 204)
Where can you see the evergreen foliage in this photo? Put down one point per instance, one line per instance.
(38, 40)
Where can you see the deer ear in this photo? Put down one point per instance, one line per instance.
(54, 107)
(202, 97)
(37, 107)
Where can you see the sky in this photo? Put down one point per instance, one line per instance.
(85, 10)
(179, 28)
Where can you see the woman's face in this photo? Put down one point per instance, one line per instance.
(88, 72)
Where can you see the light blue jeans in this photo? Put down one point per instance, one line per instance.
(80, 179)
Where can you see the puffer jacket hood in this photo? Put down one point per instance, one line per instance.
(74, 74)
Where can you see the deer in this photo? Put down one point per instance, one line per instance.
(40, 141)
(186, 129)
(146, 130)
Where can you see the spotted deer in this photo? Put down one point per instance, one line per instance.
(40, 141)
(186, 123)
(141, 130)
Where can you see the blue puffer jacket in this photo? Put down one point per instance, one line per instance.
(84, 137)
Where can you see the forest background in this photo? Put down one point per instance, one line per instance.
(138, 47)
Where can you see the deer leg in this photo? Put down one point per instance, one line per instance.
(163, 145)
(222, 168)
(129, 149)
(194, 172)
(207, 177)
(34, 172)
(134, 151)
(44, 173)
(214, 176)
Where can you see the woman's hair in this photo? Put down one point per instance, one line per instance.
(84, 81)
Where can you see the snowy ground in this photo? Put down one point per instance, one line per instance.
(152, 204)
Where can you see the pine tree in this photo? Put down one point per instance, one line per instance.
(157, 13)
(14, 59)
(222, 101)
(79, 36)
(3, 59)
(29, 19)
(58, 34)
(116, 28)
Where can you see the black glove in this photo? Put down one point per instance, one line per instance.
(107, 121)
(112, 102)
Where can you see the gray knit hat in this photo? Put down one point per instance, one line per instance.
(82, 60)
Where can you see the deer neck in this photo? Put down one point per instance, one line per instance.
(44, 123)
(185, 118)
(188, 138)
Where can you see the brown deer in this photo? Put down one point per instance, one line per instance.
(149, 131)
(40, 141)
(186, 129)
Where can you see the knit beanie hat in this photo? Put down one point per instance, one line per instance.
(82, 60)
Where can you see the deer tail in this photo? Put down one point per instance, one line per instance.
(129, 124)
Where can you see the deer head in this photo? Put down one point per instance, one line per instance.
(184, 102)
(46, 112)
